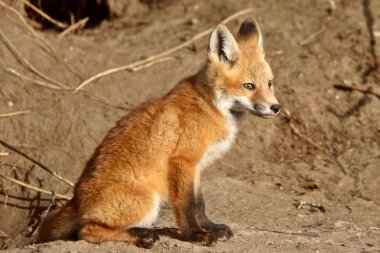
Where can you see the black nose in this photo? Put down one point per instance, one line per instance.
(275, 108)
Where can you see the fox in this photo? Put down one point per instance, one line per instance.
(157, 152)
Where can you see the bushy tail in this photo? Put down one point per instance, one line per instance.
(58, 225)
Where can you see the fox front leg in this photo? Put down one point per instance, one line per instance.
(181, 188)
(221, 230)
(189, 207)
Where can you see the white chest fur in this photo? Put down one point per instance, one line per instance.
(218, 149)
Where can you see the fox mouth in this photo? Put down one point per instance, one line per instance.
(263, 115)
(257, 109)
(262, 111)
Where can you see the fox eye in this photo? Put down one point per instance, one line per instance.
(249, 86)
(270, 82)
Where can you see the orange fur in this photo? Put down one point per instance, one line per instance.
(158, 151)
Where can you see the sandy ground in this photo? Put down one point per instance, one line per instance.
(326, 153)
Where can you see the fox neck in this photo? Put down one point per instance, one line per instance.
(219, 101)
(205, 83)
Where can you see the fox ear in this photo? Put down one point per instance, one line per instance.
(223, 45)
(250, 31)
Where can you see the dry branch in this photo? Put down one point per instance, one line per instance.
(4, 153)
(37, 163)
(13, 166)
(104, 101)
(159, 55)
(45, 45)
(341, 165)
(151, 63)
(298, 133)
(312, 36)
(51, 193)
(2, 234)
(332, 4)
(15, 113)
(25, 62)
(349, 85)
(287, 232)
(304, 137)
(78, 25)
(38, 82)
(43, 216)
(6, 199)
(44, 15)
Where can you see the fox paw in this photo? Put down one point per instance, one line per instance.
(223, 230)
(147, 240)
(206, 238)
(211, 236)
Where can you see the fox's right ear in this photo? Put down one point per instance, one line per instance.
(223, 45)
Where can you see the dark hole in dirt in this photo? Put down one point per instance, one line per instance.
(69, 11)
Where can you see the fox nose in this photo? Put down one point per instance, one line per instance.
(275, 108)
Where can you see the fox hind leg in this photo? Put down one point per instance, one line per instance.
(97, 233)
(114, 218)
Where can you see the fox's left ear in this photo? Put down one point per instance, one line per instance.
(250, 32)
(223, 45)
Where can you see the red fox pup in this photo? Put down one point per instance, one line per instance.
(159, 150)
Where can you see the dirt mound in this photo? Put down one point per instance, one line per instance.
(306, 181)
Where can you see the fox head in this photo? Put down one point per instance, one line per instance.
(239, 72)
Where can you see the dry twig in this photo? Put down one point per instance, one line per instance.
(148, 64)
(341, 165)
(298, 133)
(332, 4)
(159, 55)
(13, 166)
(25, 62)
(51, 193)
(44, 15)
(104, 101)
(78, 25)
(304, 137)
(38, 82)
(309, 205)
(37, 163)
(312, 36)
(15, 113)
(43, 216)
(6, 199)
(287, 232)
(2, 234)
(349, 85)
(45, 45)
(4, 153)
